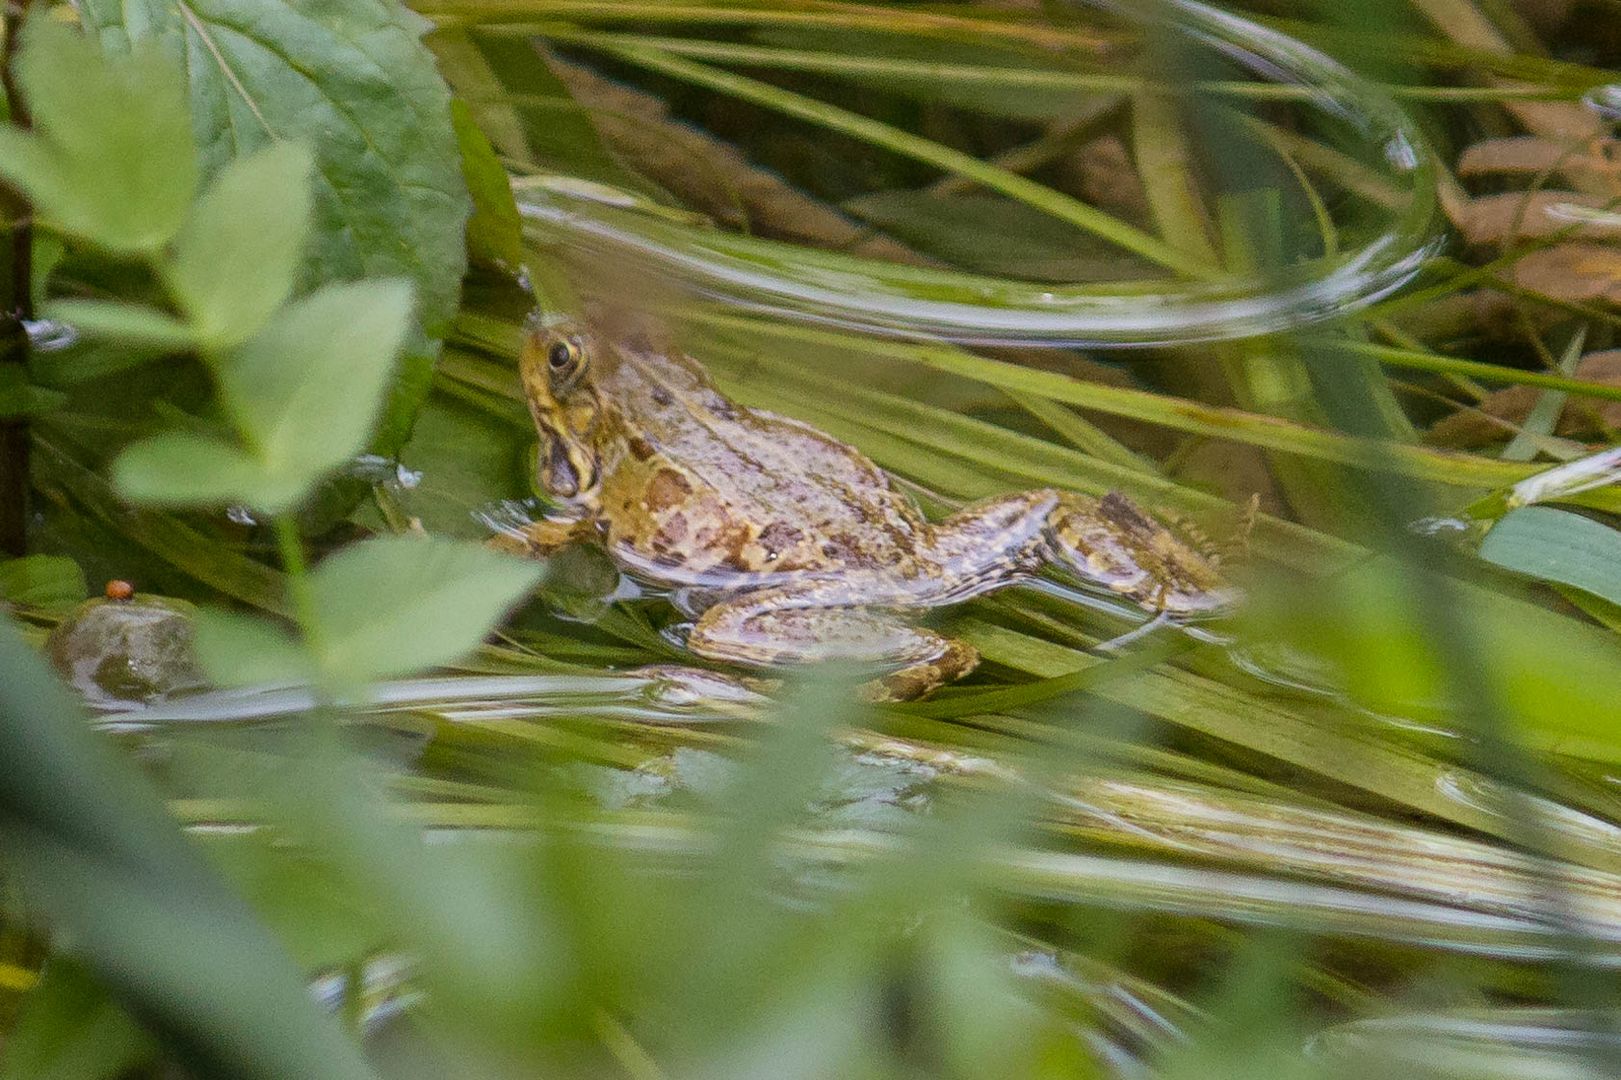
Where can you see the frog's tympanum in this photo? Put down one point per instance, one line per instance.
(786, 545)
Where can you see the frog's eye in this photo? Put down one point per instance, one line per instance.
(565, 358)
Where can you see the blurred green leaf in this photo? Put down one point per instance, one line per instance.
(19, 397)
(238, 257)
(244, 650)
(976, 1016)
(494, 231)
(353, 80)
(113, 162)
(90, 848)
(44, 581)
(1557, 677)
(1558, 546)
(181, 469)
(71, 1029)
(308, 389)
(399, 604)
(124, 324)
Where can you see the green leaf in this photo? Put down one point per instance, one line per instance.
(71, 1029)
(127, 324)
(396, 605)
(353, 79)
(238, 258)
(466, 459)
(1558, 546)
(43, 581)
(19, 397)
(995, 235)
(181, 469)
(118, 176)
(241, 650)
(305, 391)
(494, 232)
(91, 848)
(309, 387)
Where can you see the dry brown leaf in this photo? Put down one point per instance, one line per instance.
(1529, 155)
(1582, 418)
(1103, 172)
(711, 175)
(1497, 220)
(1544, 16)
(1579, 273)
(1466, 23)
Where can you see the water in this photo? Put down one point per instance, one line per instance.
(1605, 101)
(1478, 1044)
(603, 224)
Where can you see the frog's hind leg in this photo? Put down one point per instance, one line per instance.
(766, 630)
(1108, 542)
(1112, 542)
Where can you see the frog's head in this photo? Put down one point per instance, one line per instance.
(554, 365)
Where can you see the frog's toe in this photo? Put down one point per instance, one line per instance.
(923, 678)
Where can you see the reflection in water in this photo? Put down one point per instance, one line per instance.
(1605, 101)
(887, 298)
(1483, 1044)
(655, 695)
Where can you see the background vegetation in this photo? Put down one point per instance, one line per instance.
(269, 260)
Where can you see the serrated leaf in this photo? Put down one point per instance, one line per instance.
(309, 387)
(1558, 546)
(400, 604)
(238, 257)
(494, 232)
(242, 650)
(119, 177)
(181, 469)
(354, 80)
(43, 581)
(127, 324)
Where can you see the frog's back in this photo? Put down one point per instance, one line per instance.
(710, 489)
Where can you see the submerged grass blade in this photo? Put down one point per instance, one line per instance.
(918, 148)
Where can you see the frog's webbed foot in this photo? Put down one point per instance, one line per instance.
(1112, 542)
(762, 630)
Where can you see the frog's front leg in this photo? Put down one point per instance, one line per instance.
(783, 626)
(537, 539)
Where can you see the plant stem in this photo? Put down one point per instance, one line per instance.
(16, 305)
(291, 548)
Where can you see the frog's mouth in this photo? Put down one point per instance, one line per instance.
(563, 473)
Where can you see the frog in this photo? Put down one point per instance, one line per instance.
(786, 546)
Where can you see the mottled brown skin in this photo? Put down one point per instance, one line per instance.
(787, 545)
